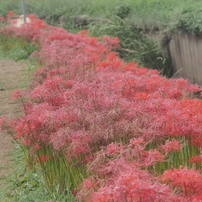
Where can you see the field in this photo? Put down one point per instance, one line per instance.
(95, 125)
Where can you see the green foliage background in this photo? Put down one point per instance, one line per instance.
(183, 15)
(129, 20)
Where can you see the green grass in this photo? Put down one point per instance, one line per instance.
(135, 45)
(24, 185)
(130, 20)
(15, 48)
(182, 15)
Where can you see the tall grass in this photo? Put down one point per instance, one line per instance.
(129, 20)
(142, 13)
(15, 48)
(25, 185)
(54, 168)
(136, 46)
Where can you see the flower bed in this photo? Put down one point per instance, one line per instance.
(105, 129)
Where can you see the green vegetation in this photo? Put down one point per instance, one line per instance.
(135, 45)
(15, 48)
(130, 20)
(172, 15)
(25, 185)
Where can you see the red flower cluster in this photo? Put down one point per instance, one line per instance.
(184, 181)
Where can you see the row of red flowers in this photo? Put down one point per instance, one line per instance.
(119, 121)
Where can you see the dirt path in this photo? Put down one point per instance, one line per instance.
(13, 75)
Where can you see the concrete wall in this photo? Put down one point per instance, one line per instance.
(186, 54)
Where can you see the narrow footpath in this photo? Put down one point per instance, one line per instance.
(13, 75)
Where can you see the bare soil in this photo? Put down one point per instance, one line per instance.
(13, 75)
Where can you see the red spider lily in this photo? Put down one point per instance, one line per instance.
(2, 121)
(130, 184)
(189, 182)
(10, 14)
(196, 159)
(171, 146)
(43, 158)
(83, 32)
(18, 93)
(2, 19)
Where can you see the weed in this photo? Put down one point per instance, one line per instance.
(135, 45)
(15, 48)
